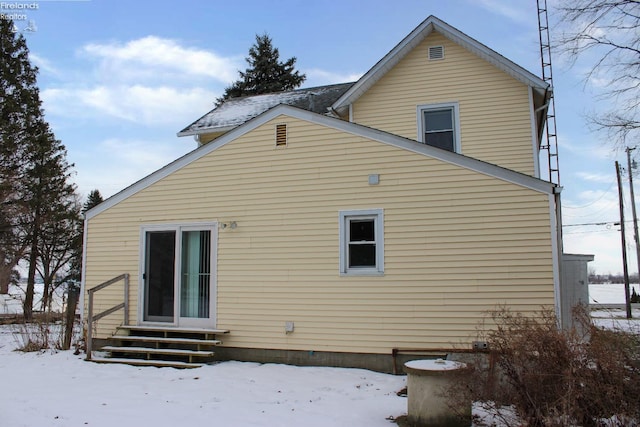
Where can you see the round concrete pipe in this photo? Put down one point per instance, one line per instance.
(428, 403)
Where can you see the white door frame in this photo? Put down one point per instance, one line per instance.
(178, 228)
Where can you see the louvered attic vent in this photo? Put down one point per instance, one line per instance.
(436, 52)
(281, 134)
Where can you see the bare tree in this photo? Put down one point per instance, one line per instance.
(59, 238)
(606, 35)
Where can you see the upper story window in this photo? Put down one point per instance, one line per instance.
(361, 242)
(439, 126)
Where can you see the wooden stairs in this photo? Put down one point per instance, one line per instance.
(161, 346)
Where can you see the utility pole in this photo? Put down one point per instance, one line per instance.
(633, 207)
(625, 267)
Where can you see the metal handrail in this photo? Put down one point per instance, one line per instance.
(91, 318)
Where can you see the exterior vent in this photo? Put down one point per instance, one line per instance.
(281, 135)
(436, 52)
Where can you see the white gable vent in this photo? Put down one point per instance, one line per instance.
(436, 52)
(281, 134)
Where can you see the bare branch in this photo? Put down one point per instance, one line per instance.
(606, 35)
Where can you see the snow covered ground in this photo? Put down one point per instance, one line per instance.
(61, 389)
(11, 303)
(612, 293)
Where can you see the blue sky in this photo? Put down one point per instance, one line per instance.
(120, 78)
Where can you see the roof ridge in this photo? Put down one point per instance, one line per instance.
(416, 36)
(288, 91)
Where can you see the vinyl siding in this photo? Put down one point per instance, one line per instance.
(456, 242)
(495, 118)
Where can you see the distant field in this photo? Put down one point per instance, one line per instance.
(609, 294)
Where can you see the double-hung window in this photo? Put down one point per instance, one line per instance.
(361, 242)
(438, 126)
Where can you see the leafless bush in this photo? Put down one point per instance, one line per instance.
(552, 377)
(38, 335)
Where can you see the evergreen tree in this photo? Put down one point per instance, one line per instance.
(34, 178)
(266, 73)
(19, 108)
(93, 199)
(47, 188)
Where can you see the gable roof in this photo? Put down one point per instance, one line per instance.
(236, 111)
(428, 26)
(334, 123)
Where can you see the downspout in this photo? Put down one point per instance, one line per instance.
(332, 112)
(535, 134)
(542, 107)
(83, 272)
(558, 251)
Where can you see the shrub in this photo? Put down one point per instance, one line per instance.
(551, 377)
(44, 332)
(34, 336)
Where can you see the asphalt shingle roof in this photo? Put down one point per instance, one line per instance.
(237, 111)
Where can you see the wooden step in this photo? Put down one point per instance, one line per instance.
(192, 341)
(142, 362)
(162, 345)
(170, 330)
(149, 350)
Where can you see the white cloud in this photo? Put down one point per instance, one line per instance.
(592, 150)
(151, 81)
(511, 10)
(604, 243)
(318, 77)
(601, 178)
(115, 163)
(590, 228)
(592, 206)
(161, 105)
(43, 64)
(155, 56)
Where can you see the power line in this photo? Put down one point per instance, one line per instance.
(604, 193)
(594, 223)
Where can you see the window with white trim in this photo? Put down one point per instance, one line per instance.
(361, 242)
(438, 126)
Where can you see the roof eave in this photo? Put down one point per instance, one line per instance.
(202, 131)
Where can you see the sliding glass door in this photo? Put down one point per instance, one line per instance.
(159, 276)
(179, 276)
(195, 283)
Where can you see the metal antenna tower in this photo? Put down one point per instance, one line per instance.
(551, 145)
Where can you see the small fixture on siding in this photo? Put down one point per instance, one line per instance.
(480, 345)
(374, 179)
(288, 327)
(281, 135)
(232, 225)
(436, 52)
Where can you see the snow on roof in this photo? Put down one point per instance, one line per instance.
(237, 111)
